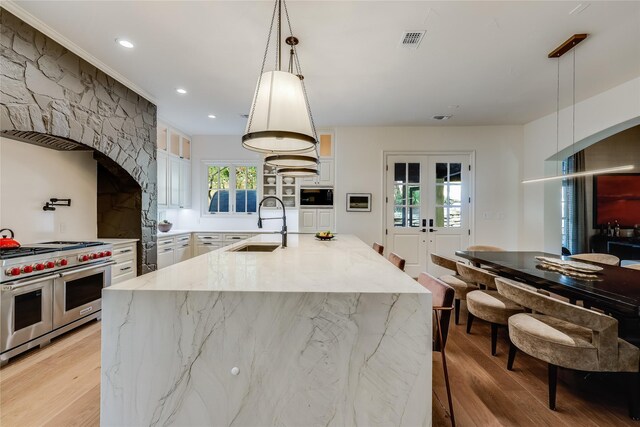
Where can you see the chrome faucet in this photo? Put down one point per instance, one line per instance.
(283, 218)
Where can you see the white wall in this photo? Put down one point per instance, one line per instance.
(30, 176)
(359, 168)
(220, 148)
(596, 118)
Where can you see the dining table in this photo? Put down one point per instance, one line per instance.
(612, 289)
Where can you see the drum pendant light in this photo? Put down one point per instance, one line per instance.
(280, 120)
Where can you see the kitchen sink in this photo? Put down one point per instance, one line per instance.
(255, 248)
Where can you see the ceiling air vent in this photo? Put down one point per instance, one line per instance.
(412, 39)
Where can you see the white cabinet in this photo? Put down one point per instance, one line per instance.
(172, 250)
(283, 187)
(174, 168)
(314, 220)
(208, 242)
(174, 182)
(163, 179)
(126, 262)
(185, 184)
(326, 172)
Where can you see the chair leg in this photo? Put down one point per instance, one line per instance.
(512, 356)
(634, 395)
(457, 310)
(553, 382)
(444, 369)
(494, 338)
(470, 318)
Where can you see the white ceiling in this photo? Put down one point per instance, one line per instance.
(490, 58)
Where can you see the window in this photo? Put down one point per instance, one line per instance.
(231, 188)
(448, 195)
(406, 195)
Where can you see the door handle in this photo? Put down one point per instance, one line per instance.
(431, 230)
(424, 230)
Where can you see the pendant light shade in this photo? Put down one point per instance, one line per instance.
(292, 160)
(298, 172)
(280, 121)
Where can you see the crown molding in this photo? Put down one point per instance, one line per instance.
(44, 28)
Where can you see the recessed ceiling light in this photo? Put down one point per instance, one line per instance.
(125, 43)
(442, 117)
(211, 116)
(181, 91)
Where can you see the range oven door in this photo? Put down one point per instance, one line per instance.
(78, 293)
(26, 311)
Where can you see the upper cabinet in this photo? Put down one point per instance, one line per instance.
(174, 168)
(326, 150)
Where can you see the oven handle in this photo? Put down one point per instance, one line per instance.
(91, 267)
(22, 284)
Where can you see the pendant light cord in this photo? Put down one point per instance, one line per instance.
(558, 119)
(573, 120)
(264, 61)
(299, 72)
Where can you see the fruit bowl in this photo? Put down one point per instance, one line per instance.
(328, 236)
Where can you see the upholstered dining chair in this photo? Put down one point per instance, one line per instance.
(633, 266)
(396, 260)
(600, 258)
(569, 336)
(378, 248)
(487, 304)
(442, 300)
(454, 280)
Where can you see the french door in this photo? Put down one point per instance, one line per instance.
(427, 208)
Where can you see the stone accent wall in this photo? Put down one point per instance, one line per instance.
(48, 89)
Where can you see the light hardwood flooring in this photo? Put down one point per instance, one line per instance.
(59, 385)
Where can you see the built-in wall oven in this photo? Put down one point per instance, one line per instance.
(49, 289)
(316, 197)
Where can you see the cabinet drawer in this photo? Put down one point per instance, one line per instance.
(179, 240)
(165, 242)
(124, 251)
(207, 247)
(123, 277)
(236, 237)
(122, 268)
(208, 237)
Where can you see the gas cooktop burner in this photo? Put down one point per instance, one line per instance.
(68, 245)
(8, 253)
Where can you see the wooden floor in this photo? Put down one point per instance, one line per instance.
(59, 385)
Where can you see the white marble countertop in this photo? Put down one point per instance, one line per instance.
(345, 264)
(116, 241)
(173, 232)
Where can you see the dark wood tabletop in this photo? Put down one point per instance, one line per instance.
(613, 289)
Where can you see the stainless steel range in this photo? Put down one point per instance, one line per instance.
(48, 289)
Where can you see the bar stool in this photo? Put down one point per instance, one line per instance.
(454, 280)
(378, 248)
(442, 300)
(487, 304)
(397, 260)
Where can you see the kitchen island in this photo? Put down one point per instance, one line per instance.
(318, 333)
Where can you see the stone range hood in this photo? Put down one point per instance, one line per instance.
(51, 97)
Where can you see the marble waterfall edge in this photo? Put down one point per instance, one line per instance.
(331, 359)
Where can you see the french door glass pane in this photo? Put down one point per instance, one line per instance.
(414, 173)
(399, 217)
(406, 195)
(400, 172)
(448, 197)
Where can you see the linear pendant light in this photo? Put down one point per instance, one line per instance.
(280, 120)
(579, 174)
(565, 47)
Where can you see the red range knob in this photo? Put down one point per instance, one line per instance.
(15, 271)
(94, 256)
(49, 264)
(83, 258)
(39, 267)
(27, 269)
(107, 253)
(63, 262)
(100, 254)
